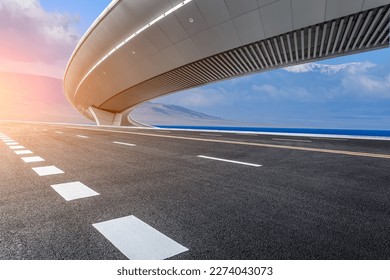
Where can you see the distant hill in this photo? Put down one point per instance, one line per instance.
(162, 114)
(35, 98)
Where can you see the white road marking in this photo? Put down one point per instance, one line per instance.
(252, 144)
(16, 147)
(32, 159)
(246, 134)
(208, 134)
(291, 140)
(137, 240)
(82, 136)
(59, 132)
(330, 139)
(44, 130)
(122, 143)
(23, 152)
(8, 141)
(73, 190)
(12, 143)
(231, 161)
(47, 170)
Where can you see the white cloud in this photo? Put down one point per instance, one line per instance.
(368, 85)
(268, 90)
(296, 93)
(33, 37)
(202, 97)
(265, 88)
(360, 81)
(360, 67)
(326, 69)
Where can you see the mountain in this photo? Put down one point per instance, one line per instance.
(162, 114)
(325, 69)
(35, 98)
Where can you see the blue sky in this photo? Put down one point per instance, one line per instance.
(86, 10)
(357, 96)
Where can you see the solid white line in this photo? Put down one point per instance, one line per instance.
(23, 152)
(73, 190)
(291, 140)
(32, 159)
(231, 161)
(126, 144)
(246, 134)
(330, 139)
(137, 240)
(82, 136)
(208, 134)
(47, 170)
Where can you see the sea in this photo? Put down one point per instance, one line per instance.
(314, 131)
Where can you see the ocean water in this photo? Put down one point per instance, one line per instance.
(348, 132)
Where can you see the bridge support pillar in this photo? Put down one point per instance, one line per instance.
(103, 117)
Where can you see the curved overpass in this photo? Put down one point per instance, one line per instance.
(137, 50)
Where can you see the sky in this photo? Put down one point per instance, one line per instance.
(38, 37)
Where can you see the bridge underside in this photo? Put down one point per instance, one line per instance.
(355, 33)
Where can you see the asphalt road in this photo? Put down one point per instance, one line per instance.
(311, 198)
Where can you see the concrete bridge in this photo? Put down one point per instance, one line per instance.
(137, 50)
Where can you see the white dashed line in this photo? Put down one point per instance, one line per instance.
(82, 136)
(137, 240)
(122, 143)
(47, 170)
(244, 143)
(23, 152)
(231, 161)
(16, 147)
(74, 190)
(291, 140)
(32, 159)
(12, 144)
